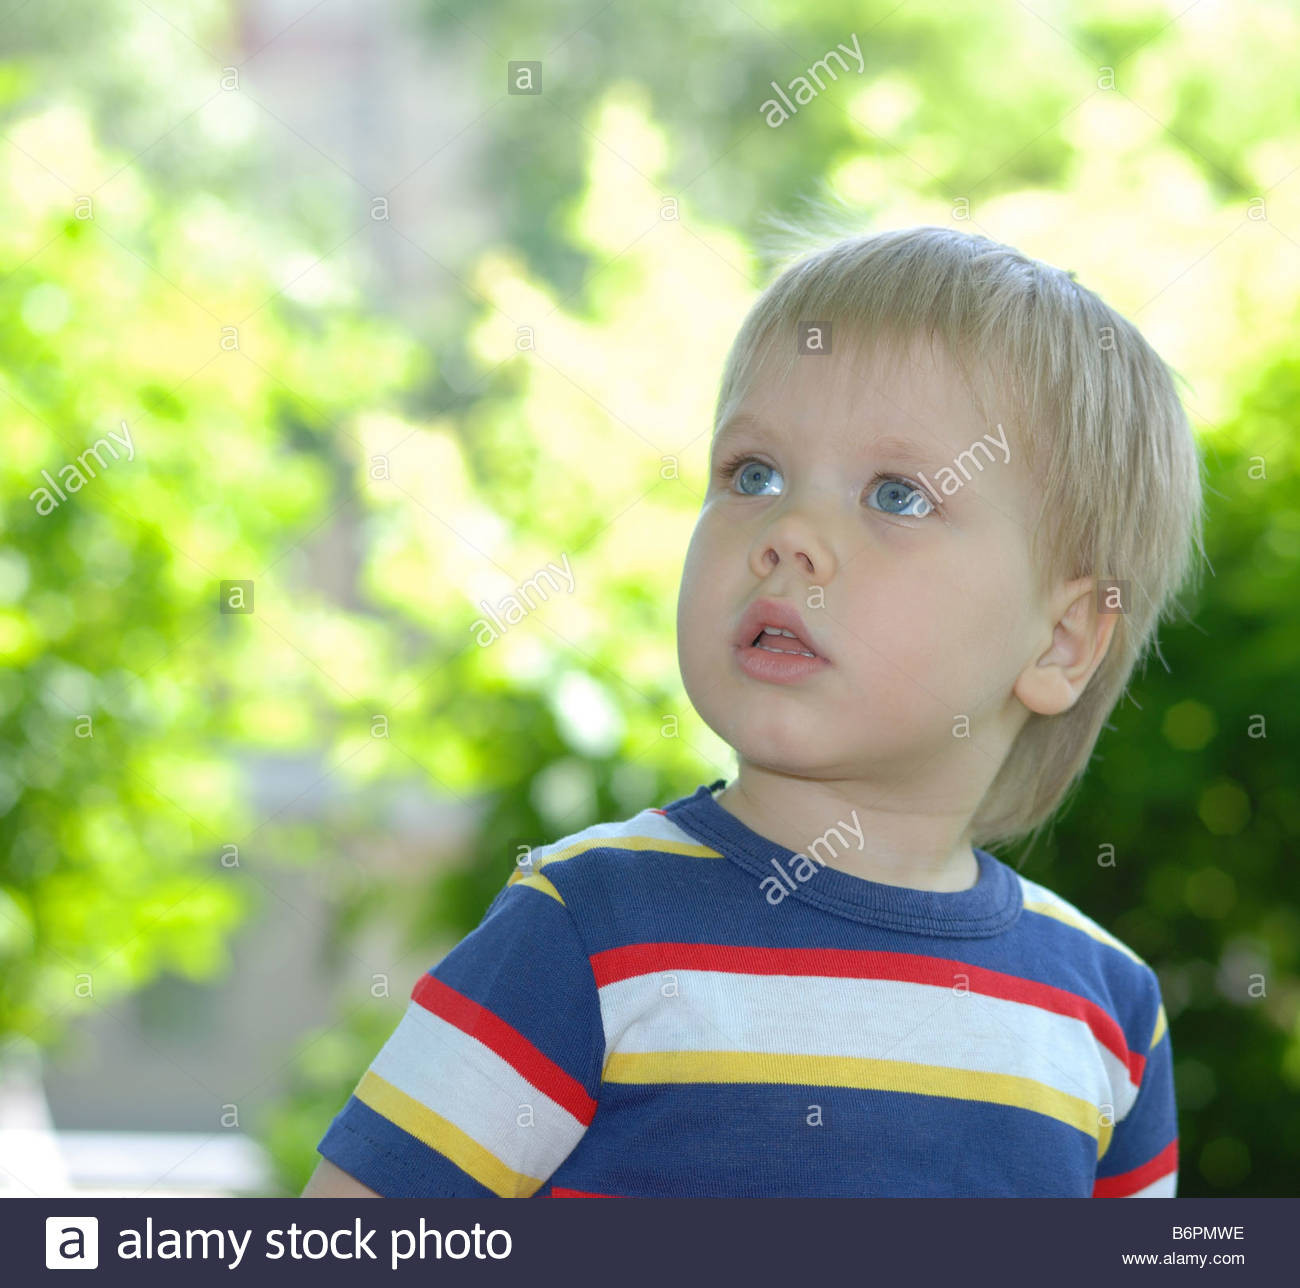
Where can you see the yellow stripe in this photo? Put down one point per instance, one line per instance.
(1162, 1023)
(865, 1073)
(686, 848)
(1060, 914)
(536, 882)
(448, 1139)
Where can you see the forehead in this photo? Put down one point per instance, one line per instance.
(752, 428)
(910, 399)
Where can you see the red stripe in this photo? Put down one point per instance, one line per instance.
(1126, 1183)
(559, 1192)
(615, 964)
(664, 812)
(511, 1045)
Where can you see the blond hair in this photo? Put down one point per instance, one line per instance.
(1112, 450)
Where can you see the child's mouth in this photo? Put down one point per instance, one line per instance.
(777, 659)
(785, 642)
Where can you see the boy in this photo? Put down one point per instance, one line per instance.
(952, 494)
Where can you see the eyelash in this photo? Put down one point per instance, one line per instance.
(727, 470)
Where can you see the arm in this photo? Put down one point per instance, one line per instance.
(490, 1078)
(331, 1182)
(1142, 1160)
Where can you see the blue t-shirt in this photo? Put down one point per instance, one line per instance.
(673, 1005)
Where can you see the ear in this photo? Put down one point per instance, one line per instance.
(1080, 637)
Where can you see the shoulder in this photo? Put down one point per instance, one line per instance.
(1042, 902)
(1088, 950)
(605, 859)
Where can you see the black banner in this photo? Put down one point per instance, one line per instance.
(650, 1241)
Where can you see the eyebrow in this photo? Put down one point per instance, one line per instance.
(742, 423)
(903, 450)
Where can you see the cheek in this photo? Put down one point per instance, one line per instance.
(935, 632)
(980, 606)
(899, 609)
(703, 606)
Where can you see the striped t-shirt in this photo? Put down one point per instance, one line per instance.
(673, 1005)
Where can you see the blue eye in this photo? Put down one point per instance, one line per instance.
(754, 473)
(912, 502)
(899, 497)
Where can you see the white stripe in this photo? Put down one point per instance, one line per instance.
(693, 1010)
(1034, 893)
(466, 1082)
(645, 825)
(1164, 1188)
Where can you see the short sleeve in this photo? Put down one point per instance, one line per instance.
(491, 1076)
(1142, 1159)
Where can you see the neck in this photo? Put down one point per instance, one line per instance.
(856, 830)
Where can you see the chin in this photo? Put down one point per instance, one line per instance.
(791, 746)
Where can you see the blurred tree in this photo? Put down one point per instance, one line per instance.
(172, 414)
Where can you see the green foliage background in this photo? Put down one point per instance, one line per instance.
(1153, 156)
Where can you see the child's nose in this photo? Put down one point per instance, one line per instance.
(794, 538)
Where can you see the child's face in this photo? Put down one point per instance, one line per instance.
(922, 619)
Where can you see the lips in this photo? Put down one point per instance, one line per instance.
(781, 614)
